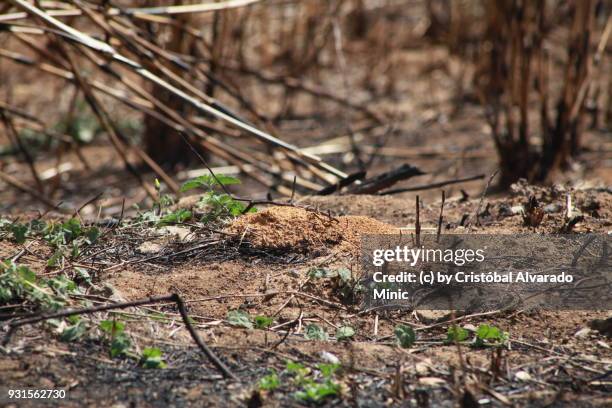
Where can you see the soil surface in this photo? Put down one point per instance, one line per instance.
(261, 264)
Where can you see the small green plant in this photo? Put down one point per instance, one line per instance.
(15, 282)
(346, 287)
(262, 322)
(315, 332)
(320, 273)
(490, 336)
(75, 331)
(19, 232)
(66, 238)
(269, 382)
(456, 334)
(328, 369)
(239, 318)
(151, 357)
(19, 283)
(220, 205)
(344, 333)
(314, 391)
(119, 341)
(298, 370)
(318, 392)
(175, 217)
(405, 335)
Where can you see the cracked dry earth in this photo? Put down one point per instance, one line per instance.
(259, 264)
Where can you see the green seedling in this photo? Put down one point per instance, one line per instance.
(239, 318)
(263, 322)
(176, 217)
(490, 336)
(298, 370)
(328, 369)
(73, 332)
(456, 334)
(315, 332)
(344, 333)
(269, 382)
(220, 205)
(19, 283)
(119, 341)
(405, 335)
(152, 358)
(318, 392)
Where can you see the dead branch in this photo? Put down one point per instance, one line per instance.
(433, 185)
(174, 298)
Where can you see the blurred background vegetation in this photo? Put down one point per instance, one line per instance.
(296, 95)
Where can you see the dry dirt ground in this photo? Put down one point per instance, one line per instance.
(260, 264)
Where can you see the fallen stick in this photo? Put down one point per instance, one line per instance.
(174, 298)
(432, 185)
(342, 183)
(385, 180)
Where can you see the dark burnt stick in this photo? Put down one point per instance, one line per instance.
(441, 216)
(386, 180)
(417, 223)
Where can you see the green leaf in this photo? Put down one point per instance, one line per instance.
(112, 327)
(62, 284)
(74, 319)
(456, 334)
(74, 332)
(84, 275)
(19, 232)
(263, 322)
(152, 358)
(177, 217)
(227, 180)
(207, 181)
(487, 332)
(55, 258)
(490, 335)
(344, 333)
(405, 335)
(72, 229)
(120, 344)
(315, 332)
(26, 274)
(296, 368)
(239, 318)
(316, 392)
(269, 382)
(299, 371)
(328, 370)
(92, 235)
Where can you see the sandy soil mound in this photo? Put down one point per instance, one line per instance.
(304, 230)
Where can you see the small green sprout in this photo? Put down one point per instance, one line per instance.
(239, 318)
(269, 382)
(344, 333)
(405, 335)
(456, 334)
(315, 332)
(263, 322)
(490, 336)
(152, 358)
